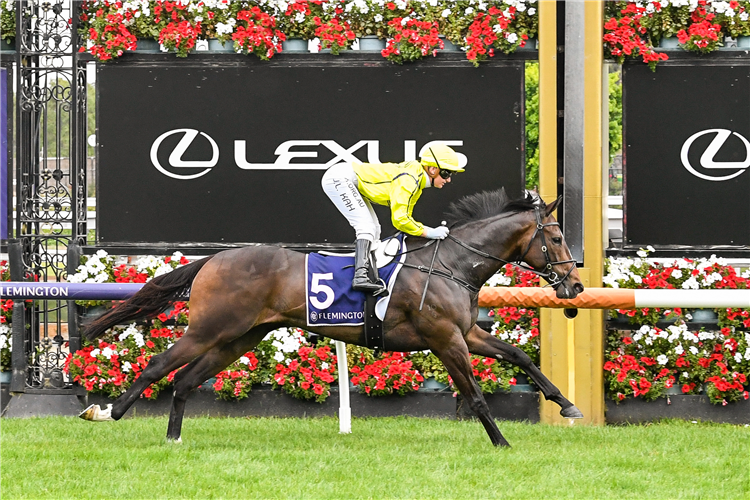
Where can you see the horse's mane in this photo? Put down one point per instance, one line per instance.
(488, 204)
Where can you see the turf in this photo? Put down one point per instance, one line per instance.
(383, 458)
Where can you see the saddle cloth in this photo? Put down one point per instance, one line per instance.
(331, 301)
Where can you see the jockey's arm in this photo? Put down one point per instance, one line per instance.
(405, 192)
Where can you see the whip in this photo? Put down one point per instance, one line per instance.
(432, 264)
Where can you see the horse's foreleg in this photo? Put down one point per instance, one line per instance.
(482, 343)
(201, 369)
(456, 361)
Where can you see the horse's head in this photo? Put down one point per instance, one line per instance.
(543, 248)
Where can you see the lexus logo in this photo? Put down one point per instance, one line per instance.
(288, 154)
(707, 158)
(175, 158)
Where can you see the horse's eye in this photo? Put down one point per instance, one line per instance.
(557, 240)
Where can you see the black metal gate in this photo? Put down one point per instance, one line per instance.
(49, 191)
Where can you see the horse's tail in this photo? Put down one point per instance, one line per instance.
(149, 301)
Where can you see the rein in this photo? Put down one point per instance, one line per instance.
(548, 274)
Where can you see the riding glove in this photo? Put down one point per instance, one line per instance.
(436, 233)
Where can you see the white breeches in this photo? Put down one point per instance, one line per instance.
(341, 185)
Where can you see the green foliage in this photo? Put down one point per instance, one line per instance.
(8, 20)
(532, 124)
(615, 114)
(57, 140)
(430, 366)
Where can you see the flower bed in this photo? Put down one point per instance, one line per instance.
(634, 29)
(411, 27)
(660, 352)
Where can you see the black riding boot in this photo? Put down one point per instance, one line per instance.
(361, 281)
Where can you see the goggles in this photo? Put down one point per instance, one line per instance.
(446, 174)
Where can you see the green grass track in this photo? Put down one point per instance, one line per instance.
(383, 458)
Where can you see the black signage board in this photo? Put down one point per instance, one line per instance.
(230, 150)
(686, 155)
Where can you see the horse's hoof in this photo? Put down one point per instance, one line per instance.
(95, 414)
(571, 412)
(174, 441)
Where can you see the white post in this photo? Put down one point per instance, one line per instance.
(345, 411)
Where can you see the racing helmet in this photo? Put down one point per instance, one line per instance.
(441, 156)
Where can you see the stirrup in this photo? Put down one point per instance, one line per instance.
(363, 284)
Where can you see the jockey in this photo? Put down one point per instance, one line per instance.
(353, 187)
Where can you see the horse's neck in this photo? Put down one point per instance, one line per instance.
(499, 237)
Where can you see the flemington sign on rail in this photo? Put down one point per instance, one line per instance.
(687, 154)
(245, 164)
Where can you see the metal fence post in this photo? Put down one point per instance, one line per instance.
(19, 362)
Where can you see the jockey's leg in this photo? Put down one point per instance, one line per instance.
(340, 184)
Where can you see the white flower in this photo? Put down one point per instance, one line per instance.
(499, 279)
(224, 28)
(138, 338)
(693, 350)
(95, 353)
(679, 350)
(378, 18)
(662, 359)
(130, 330)
(107, 352)
(512, 37)
(245, 360)
(446, 13)
(324, 365)
(690, 284)
(677, 274)
(469, 11)
(126, 366)
(738, 357)
(532, 11)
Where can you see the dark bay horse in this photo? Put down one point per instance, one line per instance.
(238, 296)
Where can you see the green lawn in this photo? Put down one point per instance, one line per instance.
(382, 458)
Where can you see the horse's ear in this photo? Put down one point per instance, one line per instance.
(533, 196)
(552, 206)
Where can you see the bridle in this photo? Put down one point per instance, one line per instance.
(548, 274)
(552, 278)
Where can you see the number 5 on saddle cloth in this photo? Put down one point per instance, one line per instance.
(331, 301)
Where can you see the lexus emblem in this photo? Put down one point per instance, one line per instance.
(707, 158)
(175, 158)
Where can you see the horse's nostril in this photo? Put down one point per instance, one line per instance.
(578, 287)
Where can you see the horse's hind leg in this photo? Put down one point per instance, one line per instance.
(455, 357)
(201, 369)
(482, 343)
(190, 346)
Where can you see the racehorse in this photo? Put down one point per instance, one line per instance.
(238, 296)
